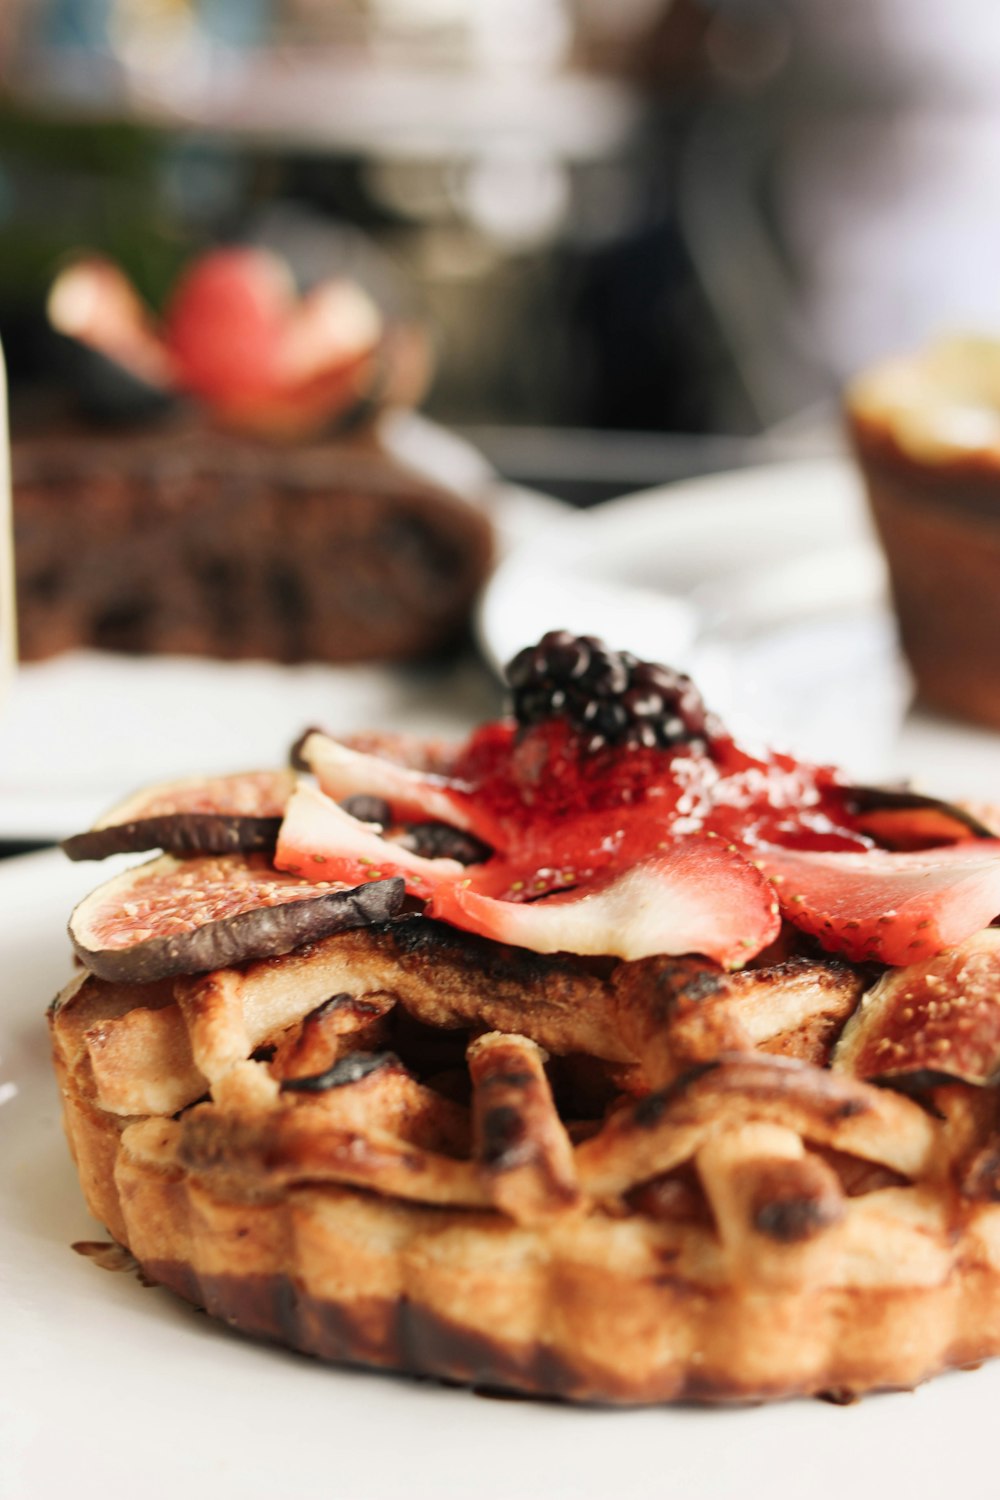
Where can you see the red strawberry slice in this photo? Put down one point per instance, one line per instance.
(329, 361)
(891, 908)
(412, 795)
(226, 325)
(320, 841)
(91, 300)
(331, 329)
(413, 751)
(697, 895)
(263, 358)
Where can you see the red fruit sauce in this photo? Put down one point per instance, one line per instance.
(565, 814)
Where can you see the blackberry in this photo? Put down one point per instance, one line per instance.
(369, 809)
(441, 841)
(609, 696)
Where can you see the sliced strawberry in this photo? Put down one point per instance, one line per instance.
(332, 328)
(295, 411)
(92, 301)
(226, 325)
(243, 341)
(438, 757)
(412, 795)
(328, 361)
(941, 1016)
(696, 895)
(891, 908)
(320, 841)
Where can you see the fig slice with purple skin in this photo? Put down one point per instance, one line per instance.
(199, 815)
(932, 1018)
(190, 916)
(903, 820)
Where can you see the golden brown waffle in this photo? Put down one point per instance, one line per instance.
(415, 1149)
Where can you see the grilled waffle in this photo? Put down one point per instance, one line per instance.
(412, 1148)
(598, 1058)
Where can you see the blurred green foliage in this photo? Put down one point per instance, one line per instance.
(82, 185)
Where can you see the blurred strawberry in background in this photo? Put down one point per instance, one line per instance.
(237, 336)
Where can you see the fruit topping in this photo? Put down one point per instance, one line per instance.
(897, 818)
(225, 324)
(320, 841)
(941, 1016)
(187, 916)
(237, 336)
(438, 841)
(368, 809)
(610, 697)
(556, 832)
(885, 907)
(696, 895)
(602, 831)
(94, 303)
(412, 795)
(199, 815)
(243, 341)
(331, 328)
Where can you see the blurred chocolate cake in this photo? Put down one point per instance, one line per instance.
(244, 492)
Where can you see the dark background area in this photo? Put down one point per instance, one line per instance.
(686, 219)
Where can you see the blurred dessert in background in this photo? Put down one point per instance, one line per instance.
(230, 481)
(926, 431)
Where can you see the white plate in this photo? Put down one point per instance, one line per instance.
(108, 1388)
(768, 586)
(81, 730)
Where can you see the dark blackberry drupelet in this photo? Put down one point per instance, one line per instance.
(609, 696)
(440, 841)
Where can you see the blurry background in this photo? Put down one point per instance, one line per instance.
(677, 222)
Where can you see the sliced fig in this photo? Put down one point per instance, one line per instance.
(188, 916)
(901, 819)
(199, 815)
(938, 1017)
(986, 814)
